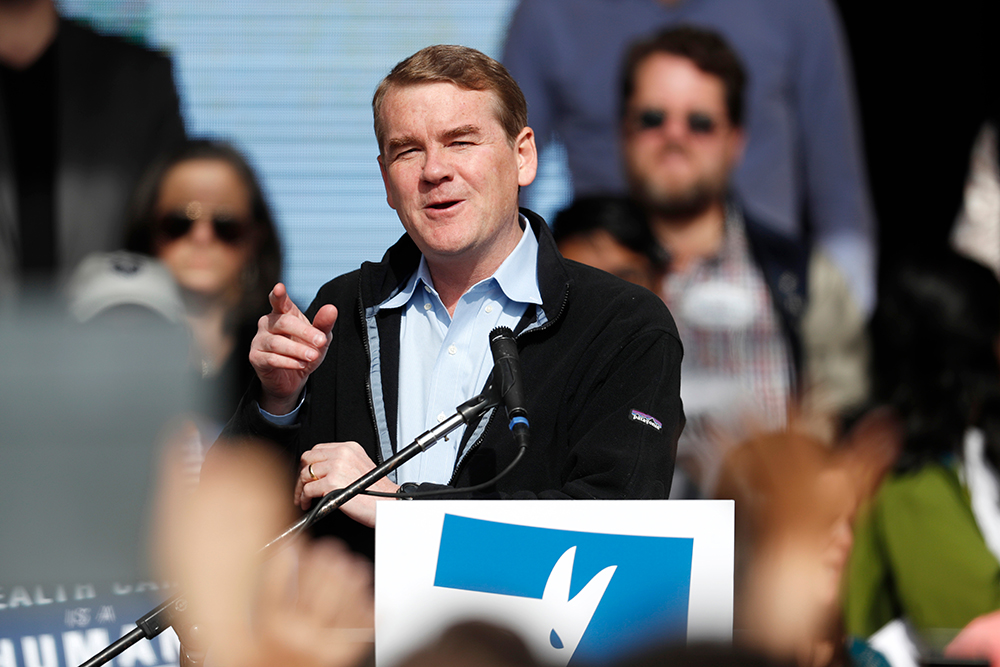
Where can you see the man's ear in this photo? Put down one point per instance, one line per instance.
(385, 182)
(527, 156)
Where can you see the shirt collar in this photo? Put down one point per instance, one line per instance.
(400, 298)
(517, 276)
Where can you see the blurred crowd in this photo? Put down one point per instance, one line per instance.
(755, 163)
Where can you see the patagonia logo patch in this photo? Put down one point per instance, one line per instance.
(646, 419)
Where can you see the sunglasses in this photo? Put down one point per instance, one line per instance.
(697, 122)
(227, 229)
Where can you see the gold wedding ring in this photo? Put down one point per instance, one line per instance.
(311, 473)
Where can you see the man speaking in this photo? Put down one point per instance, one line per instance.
(389, 350)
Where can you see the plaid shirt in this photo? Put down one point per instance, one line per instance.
(737, 360)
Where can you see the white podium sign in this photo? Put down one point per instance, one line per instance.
(580, 580)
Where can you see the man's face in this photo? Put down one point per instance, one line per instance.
(678, 144)
(451, 174)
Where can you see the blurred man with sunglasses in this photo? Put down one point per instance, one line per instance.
(755, 310)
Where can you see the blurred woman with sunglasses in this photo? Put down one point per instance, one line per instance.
(201, 212)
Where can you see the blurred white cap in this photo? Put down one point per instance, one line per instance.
(110, 279)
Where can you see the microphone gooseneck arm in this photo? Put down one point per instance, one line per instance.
(464, 413)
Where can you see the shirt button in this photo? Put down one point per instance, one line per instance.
(452, 349)
(427, 306)
(441, 417)
(489, 309)
(427, 289)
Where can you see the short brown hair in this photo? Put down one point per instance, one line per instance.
(706, 49)
(466, 68)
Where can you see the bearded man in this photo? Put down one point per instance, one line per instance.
(762, 318)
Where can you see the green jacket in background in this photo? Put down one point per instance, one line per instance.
(918, 554)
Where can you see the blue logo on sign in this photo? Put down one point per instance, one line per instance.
(609, 594)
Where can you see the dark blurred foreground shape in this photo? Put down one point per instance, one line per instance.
(82, 409)
(928, 548)
(81, 115)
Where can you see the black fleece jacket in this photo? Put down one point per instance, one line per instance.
(601, 379)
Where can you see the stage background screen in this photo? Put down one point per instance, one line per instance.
(290, 83)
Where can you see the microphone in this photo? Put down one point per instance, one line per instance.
(507, 382)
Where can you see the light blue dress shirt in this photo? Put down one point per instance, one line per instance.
(445, 360)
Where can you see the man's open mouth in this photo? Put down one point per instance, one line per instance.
(444, 205)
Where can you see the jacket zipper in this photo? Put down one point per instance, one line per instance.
(489, 424)
(368, 376)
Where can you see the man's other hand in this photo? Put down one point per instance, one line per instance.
(335, 465)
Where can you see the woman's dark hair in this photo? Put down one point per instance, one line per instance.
(621, 217)
(934, 337)
(264, 268)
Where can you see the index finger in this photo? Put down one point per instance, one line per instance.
(281, 303)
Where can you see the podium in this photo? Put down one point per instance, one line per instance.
(582, 581)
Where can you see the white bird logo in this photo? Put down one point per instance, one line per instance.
(552, 625)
